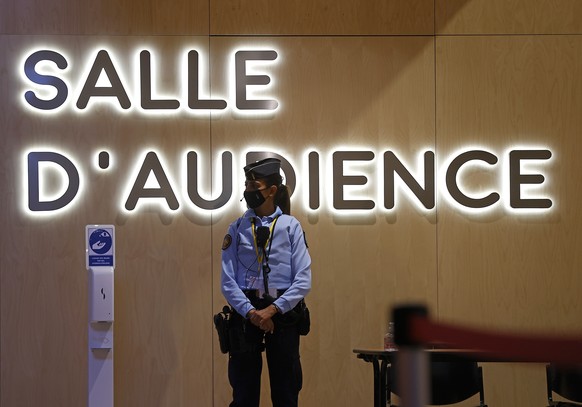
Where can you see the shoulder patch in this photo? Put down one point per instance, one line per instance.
(226, 242)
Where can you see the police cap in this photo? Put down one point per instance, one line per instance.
(262, 169)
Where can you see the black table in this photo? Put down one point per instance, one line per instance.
(380, 359)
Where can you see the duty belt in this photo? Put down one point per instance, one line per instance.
(256, 293)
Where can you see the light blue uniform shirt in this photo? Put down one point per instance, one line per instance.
(289, 261)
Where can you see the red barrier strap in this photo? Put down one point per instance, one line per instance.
(513, 348)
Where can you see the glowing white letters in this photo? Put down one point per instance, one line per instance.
(52, 84)
(51, 88)
(391, 176)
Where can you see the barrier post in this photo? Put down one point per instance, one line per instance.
(413, 364)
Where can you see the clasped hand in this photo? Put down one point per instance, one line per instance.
(263, 318)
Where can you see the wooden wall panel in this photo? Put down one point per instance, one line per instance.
(163, 293)
(375, 94)
(508, 17)
(343, 87)
(104, 17)
(504, 270)
(322, 17)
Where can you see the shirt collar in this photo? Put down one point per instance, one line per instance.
(250, 213)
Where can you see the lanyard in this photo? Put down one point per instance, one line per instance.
(269, 241)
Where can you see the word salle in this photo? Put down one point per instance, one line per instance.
(50, 90)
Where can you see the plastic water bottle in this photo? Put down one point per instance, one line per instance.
(389, 338)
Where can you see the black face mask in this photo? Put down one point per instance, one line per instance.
(254, 198)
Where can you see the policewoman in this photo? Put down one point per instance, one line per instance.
(266, 273)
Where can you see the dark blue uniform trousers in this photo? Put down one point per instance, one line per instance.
(245, 365)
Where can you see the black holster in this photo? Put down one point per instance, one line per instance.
(304, 323)
(222, 323)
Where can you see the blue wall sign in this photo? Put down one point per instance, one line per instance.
(100, 245)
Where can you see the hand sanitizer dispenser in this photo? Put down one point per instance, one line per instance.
(101, 294)
(100, 264)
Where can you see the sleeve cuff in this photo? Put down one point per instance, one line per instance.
(282, 305)
(247, 308)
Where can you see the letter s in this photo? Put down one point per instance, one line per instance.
(34, 76)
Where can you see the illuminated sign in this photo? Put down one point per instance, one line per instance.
(355, 180)
(519, 187)
(45, 71)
